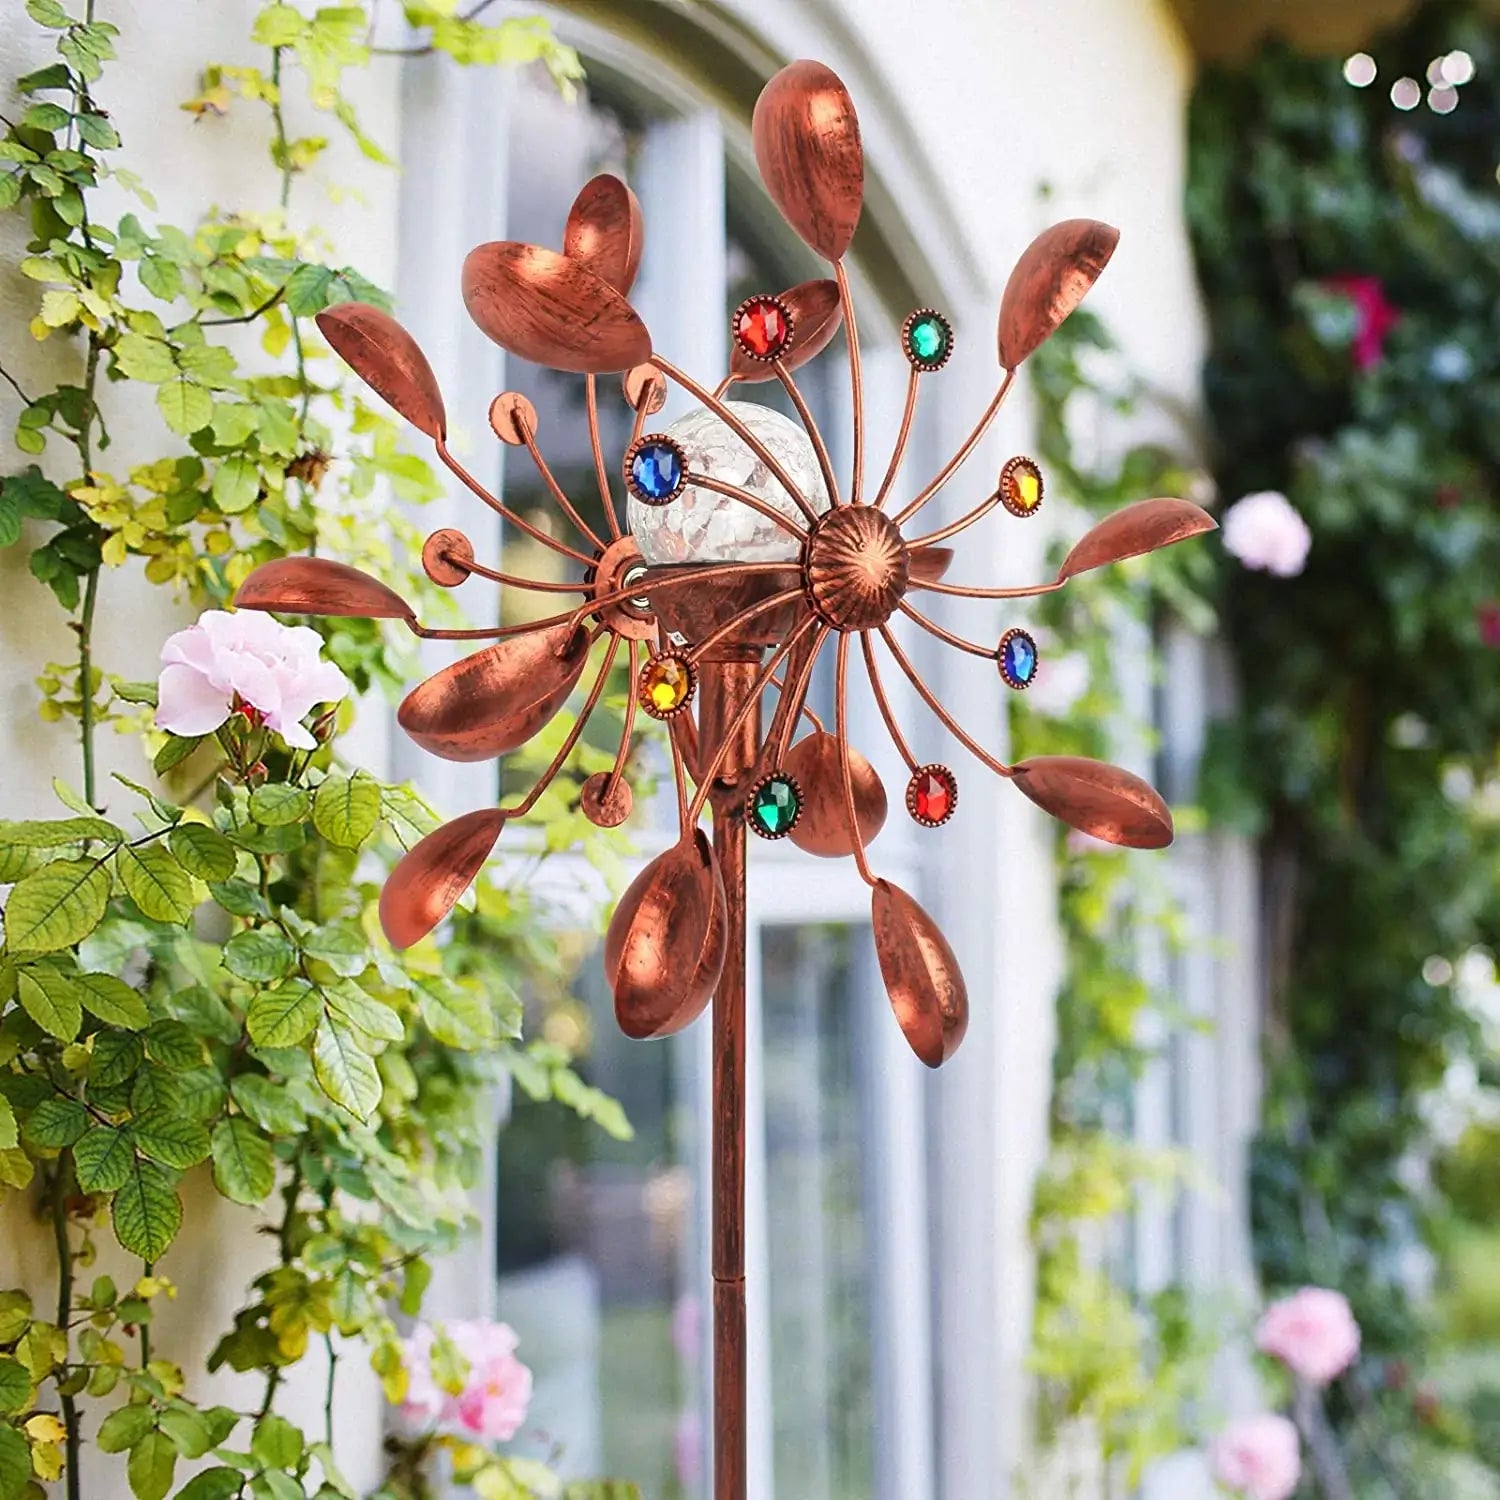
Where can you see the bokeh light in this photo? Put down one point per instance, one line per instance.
(1458, 68)
(1443, 101)
(1360, 70)
(1406, 93)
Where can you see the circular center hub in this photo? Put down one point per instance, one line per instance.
(856, 567)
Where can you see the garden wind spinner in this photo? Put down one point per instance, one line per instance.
(744, 560)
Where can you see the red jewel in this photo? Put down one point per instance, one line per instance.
(931, 795)
(761, 327)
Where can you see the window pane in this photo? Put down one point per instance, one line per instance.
(816, 1204)
(599, 1252)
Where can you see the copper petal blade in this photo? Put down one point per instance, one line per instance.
(319, 586)
(552, 310)
(1049, 281)
(816, 314)
(664, 951)
(928, 564)
(922, 977)
(495, 700)
(1100, 799)
(807, 147)
(1138, 528)
(386, 357)
(823, 827)
(605, 232)
(433, 874)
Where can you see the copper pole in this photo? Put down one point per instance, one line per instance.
(727, 686)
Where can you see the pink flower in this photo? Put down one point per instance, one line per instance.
(245, 661)
(1259, 1457)
(1312, 1332)
(1265, 532)
(687, 1450)
(687, 1328)
(496, 1391)
(1374, 316)
(1059, 683)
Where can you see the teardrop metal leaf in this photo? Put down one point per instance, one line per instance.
(605, 232)
(816, 313)
(1099, 799)
(928, 564)
(434, 873)
(551, 309)
(823, 826)
(386, 357)
(495, 700)
(665, 947)
(807, 146)
(1049, 281)
(319, 586)
(922, 977)
(1142, 527)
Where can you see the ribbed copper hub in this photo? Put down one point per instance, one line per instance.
(856, 567)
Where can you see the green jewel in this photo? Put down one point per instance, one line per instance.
(775, 806)
(929, 340)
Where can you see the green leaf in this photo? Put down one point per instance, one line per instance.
(47, 117)
(15, 1463)
(103, 1158)
(15, 1385)
(117, 1054)
(277, 1444)
(57, 906)
(51, 999)
(276, 804)
(284, 1016)
(15, 1315)
(9, 1132)
(136, 692)
(125, 1426)
(186, 407)
(157, 883)
(147, 1212)
(260, 954)
(350, 1004)
(56, 1122)
(160, 276)
(236, 485)
(271, 1105)
(150, 1466)
(202, 851)
(174, 1046)
(201, 1093)
(172, 1138)
(347, 808)
(57, 832)
(177, 748)
(345, 951)
(345, 1070)
(48, 13)
(244, 1167)
(53, 76)
(111, 999)
(141, 357)
(456, 1016)
(213, 1484)
(10, 512)
(97, 132)
(188, 1431)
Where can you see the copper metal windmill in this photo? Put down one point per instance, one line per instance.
(744, 560)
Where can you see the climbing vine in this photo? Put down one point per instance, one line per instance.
(192, 971)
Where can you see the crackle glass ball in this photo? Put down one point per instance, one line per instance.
(703, 526)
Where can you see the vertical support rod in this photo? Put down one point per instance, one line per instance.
(725, 685)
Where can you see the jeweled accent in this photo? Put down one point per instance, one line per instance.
(666, 684)
(927, 339)
(1021, 487)
(762, 327)
(774, 806)
(655, 469)
(1018, 658)
(932, 795)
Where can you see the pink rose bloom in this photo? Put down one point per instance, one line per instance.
(497, 1388)
(1374, 316)
(497, 1393)
(1259, 1457)
(249, 662)
(1312, 1332)
(1265, 532)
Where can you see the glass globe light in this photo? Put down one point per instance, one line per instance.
(701, 525)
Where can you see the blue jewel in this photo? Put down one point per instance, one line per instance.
(656, 471)
(1018, 658)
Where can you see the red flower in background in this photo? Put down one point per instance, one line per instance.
(1375, 316)
(1488, 616)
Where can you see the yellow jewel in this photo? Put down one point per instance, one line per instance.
(1021, 486)
(666, 685)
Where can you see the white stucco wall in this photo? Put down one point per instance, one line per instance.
(189, 167)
